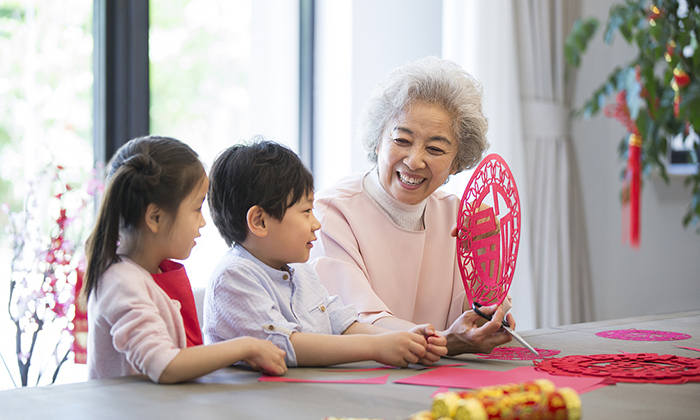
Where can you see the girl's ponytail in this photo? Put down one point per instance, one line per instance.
(101, 245)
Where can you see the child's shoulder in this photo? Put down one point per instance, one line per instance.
(124, 277)
(125, 268)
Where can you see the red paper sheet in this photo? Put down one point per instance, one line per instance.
(385, 367)
(379, 380)
(474, 378)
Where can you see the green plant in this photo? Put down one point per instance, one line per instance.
(658, 92)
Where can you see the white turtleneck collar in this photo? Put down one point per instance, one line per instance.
(405, 216)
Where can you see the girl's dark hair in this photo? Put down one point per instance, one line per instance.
(158, 170)
(262, 173)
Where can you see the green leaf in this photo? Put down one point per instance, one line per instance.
(577, 40)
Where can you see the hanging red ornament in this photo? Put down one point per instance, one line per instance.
(633, 181)
(681, 78)
(631, 185)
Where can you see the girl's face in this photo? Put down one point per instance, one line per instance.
(416, 153)
(185, 227)
(291, 238)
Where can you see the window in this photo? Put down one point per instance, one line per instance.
(220, 73)
(45, 122)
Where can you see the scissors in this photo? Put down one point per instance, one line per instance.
(506, 326)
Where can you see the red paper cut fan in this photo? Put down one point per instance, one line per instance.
(487, 263)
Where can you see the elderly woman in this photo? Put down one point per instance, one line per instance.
(387, 237)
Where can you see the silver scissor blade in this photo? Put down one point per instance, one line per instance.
(521, 340)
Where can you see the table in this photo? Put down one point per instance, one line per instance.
(235, 393)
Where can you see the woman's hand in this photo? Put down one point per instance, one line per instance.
(437, 344)
(466, 336)
(266, 357)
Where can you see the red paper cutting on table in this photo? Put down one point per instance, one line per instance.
(517, 353)
(629, 367)
(487, 264)
(643, 335)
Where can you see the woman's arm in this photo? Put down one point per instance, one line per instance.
(193, 362)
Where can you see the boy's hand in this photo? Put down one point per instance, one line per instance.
(399, 348)
(266, 357)
(437, 344)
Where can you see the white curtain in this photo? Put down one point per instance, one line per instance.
(515, 48)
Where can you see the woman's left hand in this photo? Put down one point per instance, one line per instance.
(437, 344)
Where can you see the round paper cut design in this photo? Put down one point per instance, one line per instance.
(629, 367)
(487, 260)
(643, 335)
(517, 353)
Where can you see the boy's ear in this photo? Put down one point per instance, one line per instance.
(154, 217)
(256, 217)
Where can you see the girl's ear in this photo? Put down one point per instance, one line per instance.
(256, 221)
(154, 218)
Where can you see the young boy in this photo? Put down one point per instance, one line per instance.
(261, 201)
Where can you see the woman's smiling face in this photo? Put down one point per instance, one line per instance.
(417, 152)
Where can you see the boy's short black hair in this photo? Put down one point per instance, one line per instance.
(259, 172)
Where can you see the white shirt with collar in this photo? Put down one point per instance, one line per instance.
(246, 297)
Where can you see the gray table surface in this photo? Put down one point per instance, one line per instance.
(235, 393)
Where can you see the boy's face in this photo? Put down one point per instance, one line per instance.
(290, 240)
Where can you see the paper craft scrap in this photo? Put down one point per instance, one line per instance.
(643, 335)
(474, 378)
(629, 367)
(379, 380)
(487, 261)
(688, 348)
(517, 353)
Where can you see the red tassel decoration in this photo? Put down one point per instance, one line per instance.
(634, 171)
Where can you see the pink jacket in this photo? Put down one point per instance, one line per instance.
(364, 258)
(133, 326)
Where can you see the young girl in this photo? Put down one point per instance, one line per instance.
(152, 212)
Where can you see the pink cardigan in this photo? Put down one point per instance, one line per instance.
(364, 258)
(133, 326)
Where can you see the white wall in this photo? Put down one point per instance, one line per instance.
(358, 43)
(663, 275)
